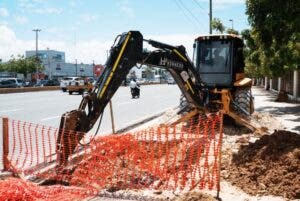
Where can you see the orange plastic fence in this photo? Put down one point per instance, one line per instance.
(175, 157)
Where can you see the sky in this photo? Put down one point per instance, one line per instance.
(85, 29)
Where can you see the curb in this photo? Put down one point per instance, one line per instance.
(27, 89)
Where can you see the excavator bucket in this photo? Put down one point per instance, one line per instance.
(68, 135)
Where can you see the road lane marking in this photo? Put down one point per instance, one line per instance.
(49, 118)
(14, 110)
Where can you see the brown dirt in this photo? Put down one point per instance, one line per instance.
(270, 165)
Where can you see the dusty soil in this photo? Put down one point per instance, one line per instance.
(195, 196)
(270, 165)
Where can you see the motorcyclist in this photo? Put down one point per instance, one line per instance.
(134, 88)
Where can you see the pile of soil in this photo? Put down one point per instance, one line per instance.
(270, 165)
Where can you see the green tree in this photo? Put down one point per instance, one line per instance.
(232, 31)
(217, 25)
(276, 27)
(22, 65)
(254, 57)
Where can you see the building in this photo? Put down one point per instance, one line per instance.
(56, 66)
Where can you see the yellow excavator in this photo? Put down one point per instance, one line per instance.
(214, 80)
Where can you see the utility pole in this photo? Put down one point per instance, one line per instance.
(36, 51)
(210, 16)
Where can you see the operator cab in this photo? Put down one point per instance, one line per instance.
(219, 59)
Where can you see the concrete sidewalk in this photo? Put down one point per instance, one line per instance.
(288, 114)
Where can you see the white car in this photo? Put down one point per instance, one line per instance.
(70, 81)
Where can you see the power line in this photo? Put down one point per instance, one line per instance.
(196, 19)
(187, 17)
(204, 10)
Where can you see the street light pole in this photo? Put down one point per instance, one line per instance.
(36, 51)
(48, 59)
(231, 20)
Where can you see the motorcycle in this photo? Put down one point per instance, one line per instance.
(135, 92)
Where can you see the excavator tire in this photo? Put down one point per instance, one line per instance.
(244, 99)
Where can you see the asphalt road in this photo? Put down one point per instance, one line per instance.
(46, 107)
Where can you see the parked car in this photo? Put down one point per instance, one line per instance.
(47, 83)
(11, 83)
(52, 83)
(67, 81)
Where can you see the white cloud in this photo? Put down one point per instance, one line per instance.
(223, 4)
(4, 12)
(186, 40)
(47, 10)
(126, 9)
(38, 6)
(85, 51)
(21, 19)
(75, 3)
(3, 22)
(10, 45)
(89, 17)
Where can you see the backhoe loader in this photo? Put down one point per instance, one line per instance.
(213, 81)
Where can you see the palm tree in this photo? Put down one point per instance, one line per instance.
(217, 25)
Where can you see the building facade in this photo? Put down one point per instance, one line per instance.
(56, 66)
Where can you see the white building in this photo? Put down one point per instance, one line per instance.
(55, 65)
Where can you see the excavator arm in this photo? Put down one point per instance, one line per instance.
(127, 52)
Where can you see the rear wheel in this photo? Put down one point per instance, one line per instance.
(243, 101)
(70, 92)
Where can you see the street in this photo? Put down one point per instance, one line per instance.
(46, 107)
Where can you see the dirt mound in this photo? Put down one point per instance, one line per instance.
(271, 165)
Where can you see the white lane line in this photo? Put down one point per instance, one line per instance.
(49, 118)
(14, 110)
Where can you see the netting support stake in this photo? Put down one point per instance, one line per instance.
(220, 156)
(5, 144)
(112, 117)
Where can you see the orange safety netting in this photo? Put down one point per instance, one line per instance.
(17, 189)
(183, 156)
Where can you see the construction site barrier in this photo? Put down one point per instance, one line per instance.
(181, 156)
